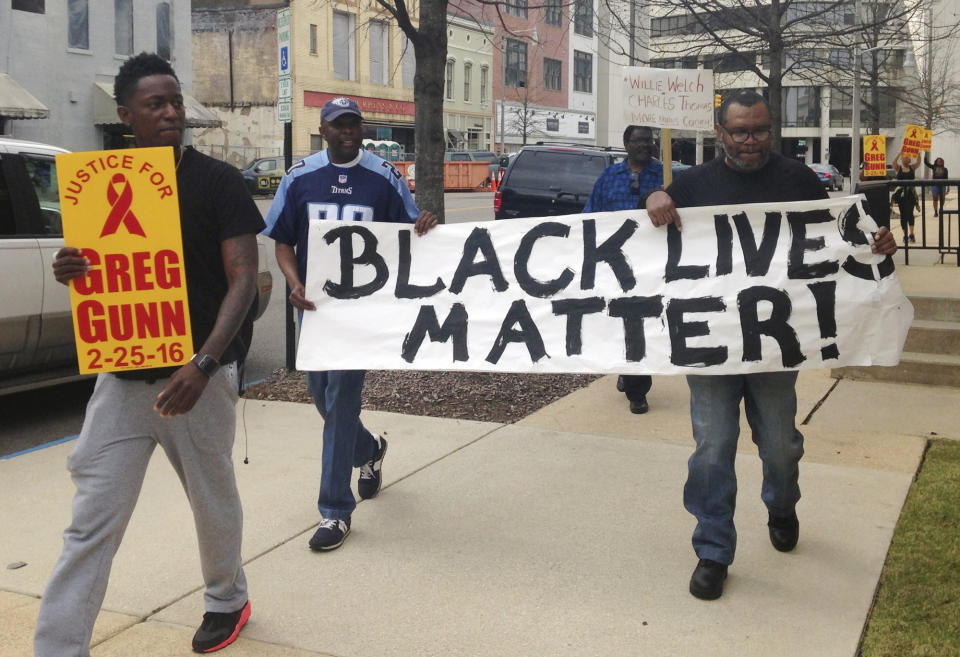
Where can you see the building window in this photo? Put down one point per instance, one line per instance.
(33, 6)
(344, 53)
(553, 125)
(583, 128)
(164, 31)
(408, 63)
(78, 30)
(123, 26)
(553, 12)
(313, 39)
(516, 66)
(516, 8)
(583, 17)
(379, 33)
(552, 72)
(582, 71)
(483, 85)
(449, 85)
(801, 107)
(467, 75)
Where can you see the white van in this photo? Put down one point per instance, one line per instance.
(36, 329)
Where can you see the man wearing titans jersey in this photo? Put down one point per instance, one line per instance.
(343, 182)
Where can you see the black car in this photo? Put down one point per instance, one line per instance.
(548, 180)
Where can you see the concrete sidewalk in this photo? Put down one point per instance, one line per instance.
(562, 534)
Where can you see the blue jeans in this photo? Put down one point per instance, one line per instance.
(710, 494)
(346, 443)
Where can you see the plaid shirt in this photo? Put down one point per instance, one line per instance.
(613, 190)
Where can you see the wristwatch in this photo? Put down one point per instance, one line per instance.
(205, 363)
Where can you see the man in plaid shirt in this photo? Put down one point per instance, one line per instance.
(623, 186)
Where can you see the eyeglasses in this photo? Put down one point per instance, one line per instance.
(741, 136)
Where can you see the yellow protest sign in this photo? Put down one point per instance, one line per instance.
(912, 139)
(121, 208)
(874, 156)
(927, 142)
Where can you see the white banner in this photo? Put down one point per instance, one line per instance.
(747, 288)
(675, 98)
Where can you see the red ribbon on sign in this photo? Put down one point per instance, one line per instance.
(120, 208)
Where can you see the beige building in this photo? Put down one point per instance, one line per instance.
(467, 105)
(351, 49)
(336, 49)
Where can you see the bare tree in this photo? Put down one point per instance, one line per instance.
(429, 39)
(934, 94)
(768, 39)
(522, 119)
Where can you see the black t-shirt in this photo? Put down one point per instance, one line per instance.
(780, 180)
(214, 206)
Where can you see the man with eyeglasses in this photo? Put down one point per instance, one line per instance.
(747, 173)
(623, 186)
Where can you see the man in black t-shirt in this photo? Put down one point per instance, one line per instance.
(748, 173)
(188, 410)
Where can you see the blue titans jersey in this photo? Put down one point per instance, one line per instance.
(366, 189)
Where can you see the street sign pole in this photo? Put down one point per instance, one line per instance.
(285, 116)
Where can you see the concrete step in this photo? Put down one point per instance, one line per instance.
(933, 337)
(936, 307)
(914, 367)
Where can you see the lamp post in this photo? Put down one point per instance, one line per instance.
(503, 79)
(855, 120)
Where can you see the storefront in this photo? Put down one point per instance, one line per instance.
(383, 119)
(18, 103)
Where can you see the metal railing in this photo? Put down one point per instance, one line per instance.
(934, 232)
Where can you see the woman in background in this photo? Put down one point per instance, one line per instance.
(906, 196)
(938, 172)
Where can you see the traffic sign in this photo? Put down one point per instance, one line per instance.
(284, 88)
(284, 111)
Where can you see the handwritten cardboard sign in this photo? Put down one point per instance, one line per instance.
(121, 208)
(668, 98)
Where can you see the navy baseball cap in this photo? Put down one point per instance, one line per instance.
(338, 107)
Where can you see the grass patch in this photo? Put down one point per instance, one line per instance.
(917, 611)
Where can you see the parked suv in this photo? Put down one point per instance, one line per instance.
(36, 328)
(551, 180)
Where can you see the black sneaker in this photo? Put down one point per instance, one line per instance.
(707, 580)
(330, 535)
(784, 532)
(639, 406)
(219, 630)
(370, 479)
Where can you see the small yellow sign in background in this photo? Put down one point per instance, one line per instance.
(927, 142)
(874, 156)
(913, 139)
(130, 310)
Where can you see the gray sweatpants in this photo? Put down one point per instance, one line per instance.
(108, 464)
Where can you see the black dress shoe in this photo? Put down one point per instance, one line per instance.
(620, 384)
(784, 532)
(639, 406)
(707, 580)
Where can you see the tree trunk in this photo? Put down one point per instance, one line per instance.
(431, 53)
